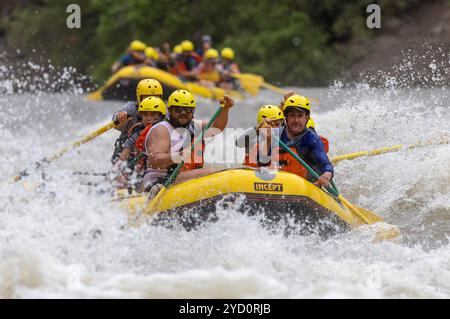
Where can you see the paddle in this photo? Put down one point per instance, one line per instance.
(48, 160)
(155, 201)
(252, 83)
(384, 150)
(332, 189)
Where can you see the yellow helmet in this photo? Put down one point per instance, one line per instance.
(137, 45)
(211, 54)
(181, 98)
(151, 53)
(311, 123)
(227, 53)
(152, 104)
(150, 87)
(297, 101)
(177, 49)
(269, 112)
(187, 45)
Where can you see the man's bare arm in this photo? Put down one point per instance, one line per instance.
(158, 147)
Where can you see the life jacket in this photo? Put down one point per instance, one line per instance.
(197, 156)
(139, 153)
(286, 161)
(183, 63)
(136, 128)
(131, 108)
(251, 158)
(179, 67)
(325, 142)
(231, 67)
(140, 142)
(196, 56)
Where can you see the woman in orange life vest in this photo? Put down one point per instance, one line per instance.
(151, 110)
(206, 72)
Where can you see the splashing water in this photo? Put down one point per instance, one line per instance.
(66, 240)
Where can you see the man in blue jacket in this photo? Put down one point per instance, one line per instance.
(306, 142)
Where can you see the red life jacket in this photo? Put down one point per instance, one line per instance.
(178, 68)
(139, 146)
(325, 142)
(140, 142)
(196, 56)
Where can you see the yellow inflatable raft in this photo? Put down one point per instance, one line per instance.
(277, 196)
(122, 85)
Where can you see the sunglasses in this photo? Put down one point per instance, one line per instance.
(180, 109)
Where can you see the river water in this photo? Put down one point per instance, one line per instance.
(65, 240)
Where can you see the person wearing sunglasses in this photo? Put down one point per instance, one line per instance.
(170, 141)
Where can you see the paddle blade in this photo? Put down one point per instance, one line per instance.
(273, 88)
(386, 232)
(95, 96)
(366, 216)
(249, 82)
(154, 203)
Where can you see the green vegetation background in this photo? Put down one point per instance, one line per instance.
(295, 42)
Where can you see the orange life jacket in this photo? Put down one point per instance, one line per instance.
(286, 162)
(197, 159)
(251, 157)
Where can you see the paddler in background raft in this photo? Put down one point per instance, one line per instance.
(135, 55)
(132, 159)
(128, 115)
(207, 73)
(227, 66)
(169, 142)
(187, 61)
(205, 46)
(154, 59)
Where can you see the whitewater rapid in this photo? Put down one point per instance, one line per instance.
(66, 240)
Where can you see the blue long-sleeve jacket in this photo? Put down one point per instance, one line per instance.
(310, 148)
